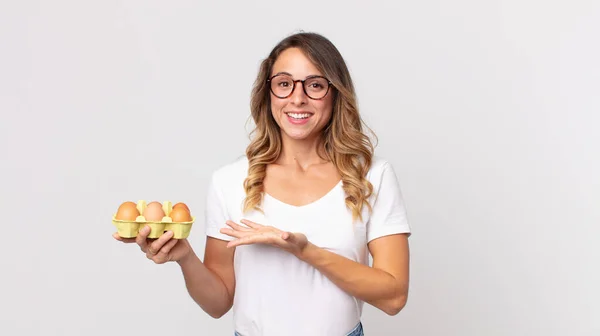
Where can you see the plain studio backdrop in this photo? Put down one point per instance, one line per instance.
(488, 110)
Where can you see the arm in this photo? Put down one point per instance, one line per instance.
(385, 285)
(211, 284)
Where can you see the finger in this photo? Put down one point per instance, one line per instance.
(233, 233)
(251, 224)
(124, 240)
(290, 238)
(234, 243)
(253, 239)
(141, 238)
(236, 226)
(155, 247)
(164, 251)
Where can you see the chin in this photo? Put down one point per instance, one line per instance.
(297, 135)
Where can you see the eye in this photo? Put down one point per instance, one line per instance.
(282, 82)
(316, 84)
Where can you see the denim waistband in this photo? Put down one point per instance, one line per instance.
(357, 331)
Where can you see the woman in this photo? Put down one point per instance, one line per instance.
(290, 225)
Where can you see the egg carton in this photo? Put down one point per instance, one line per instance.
(130, 229)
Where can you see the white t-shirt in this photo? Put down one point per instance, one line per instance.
(277, 294)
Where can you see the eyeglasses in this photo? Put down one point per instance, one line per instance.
(315, 87)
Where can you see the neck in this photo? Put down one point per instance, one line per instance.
(301, 153)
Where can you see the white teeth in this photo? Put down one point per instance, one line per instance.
(299, 115)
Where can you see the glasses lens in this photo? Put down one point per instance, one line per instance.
(282, 85)
(316, 87)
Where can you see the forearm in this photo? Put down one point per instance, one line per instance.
(372, 285)
(205, 287)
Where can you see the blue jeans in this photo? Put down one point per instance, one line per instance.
(357, 331)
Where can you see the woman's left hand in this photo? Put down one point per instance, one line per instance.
(254, 233)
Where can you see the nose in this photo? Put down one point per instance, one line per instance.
(298, 97)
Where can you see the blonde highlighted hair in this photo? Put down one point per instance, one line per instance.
(344, 139)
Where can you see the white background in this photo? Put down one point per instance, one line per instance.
(489, 111)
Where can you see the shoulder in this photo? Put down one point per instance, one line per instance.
(382, 176)
(389, 215)
(379, 166)
(231, 174)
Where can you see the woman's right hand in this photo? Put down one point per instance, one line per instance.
(162, 249)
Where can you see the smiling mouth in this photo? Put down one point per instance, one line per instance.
(299, 116)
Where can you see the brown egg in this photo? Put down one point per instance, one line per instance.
(179, 215)
(182, 206)
(154, 212)
(127, 211)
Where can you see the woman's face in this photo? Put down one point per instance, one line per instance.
(299, 116)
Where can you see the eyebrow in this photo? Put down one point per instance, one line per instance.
(282, 73)
(289, 74)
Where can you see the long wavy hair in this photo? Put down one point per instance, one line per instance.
(344, 141)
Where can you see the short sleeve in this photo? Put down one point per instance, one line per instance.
(389, 212)
(216, 210)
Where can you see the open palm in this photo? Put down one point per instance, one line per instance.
(254, 233)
